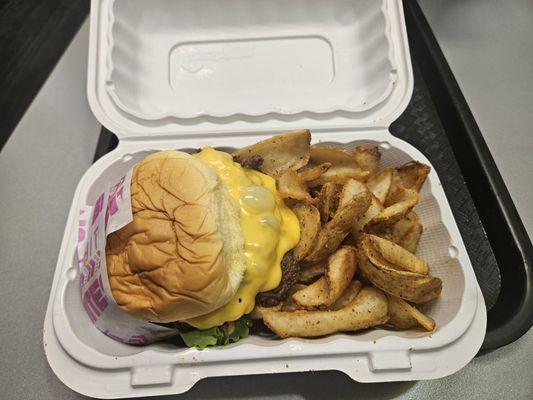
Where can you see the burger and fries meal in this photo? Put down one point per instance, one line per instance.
(312, 240)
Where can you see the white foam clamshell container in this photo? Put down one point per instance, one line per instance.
(179, 74)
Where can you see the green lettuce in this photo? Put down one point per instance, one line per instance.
(230, 332)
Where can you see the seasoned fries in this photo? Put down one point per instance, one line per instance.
(309, 219)
(313, 173)
(334, 231)
(362, 158)
(405, 316)
(373, 210)
(291, 186)
(289, 150)
(410, 176)
(336, 156)
(380, 184)
(369, 308)
(340, 175)
(347, 296)
(316, 295)
(405, 233)
(384, 252)
(400, 203)
(410, 286)
(350, 189)
(356, 222)
(338, 273)
(367, 158)
(326, 201)
(409, 241)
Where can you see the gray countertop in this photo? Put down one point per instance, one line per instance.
(54, 144)
(489, 48)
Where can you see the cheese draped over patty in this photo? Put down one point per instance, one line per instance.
(269, 227)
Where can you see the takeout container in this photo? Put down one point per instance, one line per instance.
(185, 74)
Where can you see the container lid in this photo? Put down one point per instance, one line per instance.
(201, 67)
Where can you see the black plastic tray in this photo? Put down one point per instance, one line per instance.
(512, 314)
(439, 123)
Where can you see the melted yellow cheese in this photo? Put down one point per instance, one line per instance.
(270, 229)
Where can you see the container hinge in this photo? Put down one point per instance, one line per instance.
(143, 375)
(389, 360)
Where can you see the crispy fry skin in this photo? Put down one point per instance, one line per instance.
(288, 150)
(369, 308)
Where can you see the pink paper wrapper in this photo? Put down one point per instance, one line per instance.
(111, 211)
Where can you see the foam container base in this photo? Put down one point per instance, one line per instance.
(136, 49)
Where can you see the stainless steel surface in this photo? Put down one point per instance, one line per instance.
(53, 145)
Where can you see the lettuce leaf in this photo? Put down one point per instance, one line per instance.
(230, 332)
(201, 338)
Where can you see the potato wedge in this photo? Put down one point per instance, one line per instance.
(340, 174)
(409, 286)
(373, 210)
(316, 295)
(334, 231)
(404, 201)
(344, 165)
(338, 274)
(410, 240)
(383, 252)
(367, 158)
(411, 175)
(309, 273)
(349, 294)
(405, 316)
(340, 271)
(351, 188)
(369, 308)
(290, 186)
(288, 150)
(336, 156)
(326, 200)
(309, 219)
(403, 226)
(405, 233)
(314, 172)
(363, 158)
(380, 183)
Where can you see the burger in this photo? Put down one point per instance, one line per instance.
(207, 236)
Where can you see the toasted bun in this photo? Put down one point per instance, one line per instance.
(182, 255)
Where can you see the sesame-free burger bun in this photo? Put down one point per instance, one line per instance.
(182, 255)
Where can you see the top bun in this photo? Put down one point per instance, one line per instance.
(182, 255)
